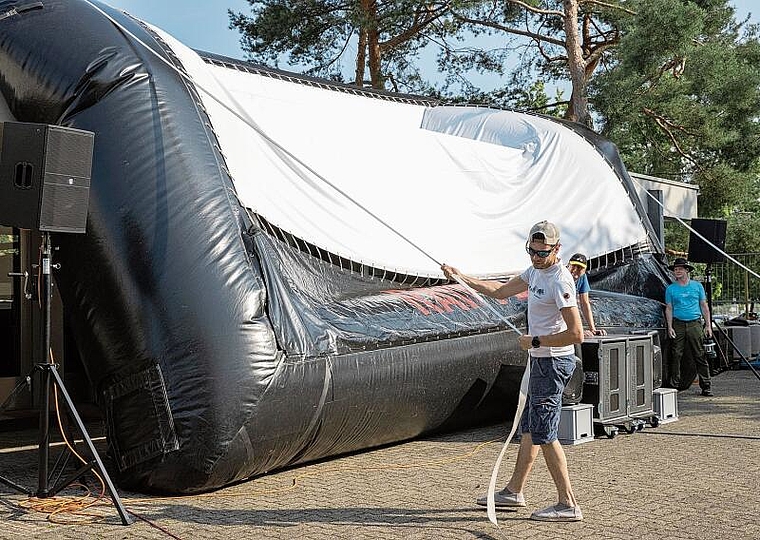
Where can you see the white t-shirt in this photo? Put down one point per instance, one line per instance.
(549, 290)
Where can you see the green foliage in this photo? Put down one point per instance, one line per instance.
(743, 228)
(676, 236)
(320, 37)
(681, 99)
(307, 31)
(661, 29)
(6, 245)
(532, 99)
(470, 39)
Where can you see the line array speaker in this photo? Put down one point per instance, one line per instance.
(45, 176)
(715, 231)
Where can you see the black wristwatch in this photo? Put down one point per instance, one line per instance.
(535, 342)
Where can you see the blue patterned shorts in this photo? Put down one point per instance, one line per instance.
(548, 378)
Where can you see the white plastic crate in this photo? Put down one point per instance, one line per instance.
(576, 424)
(665, 401)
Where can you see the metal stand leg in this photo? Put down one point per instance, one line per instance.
(49, 376)
(96, 462)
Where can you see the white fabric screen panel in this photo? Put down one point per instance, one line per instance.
(463, 184)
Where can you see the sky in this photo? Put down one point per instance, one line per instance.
(199, 24)
(204, 24)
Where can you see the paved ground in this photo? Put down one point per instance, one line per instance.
(694, 478)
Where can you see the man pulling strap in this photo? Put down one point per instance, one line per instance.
(554, 326)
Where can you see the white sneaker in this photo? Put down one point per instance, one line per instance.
(558, 512)
(504, 499)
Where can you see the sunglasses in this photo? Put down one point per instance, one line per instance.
(542, 253)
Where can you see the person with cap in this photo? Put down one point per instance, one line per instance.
(577, 266)
(554, 327)
(685, 303)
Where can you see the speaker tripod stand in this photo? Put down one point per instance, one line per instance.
(47, 374)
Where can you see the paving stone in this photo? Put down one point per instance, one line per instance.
(691, 479)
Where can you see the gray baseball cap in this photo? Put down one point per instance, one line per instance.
(544, 231)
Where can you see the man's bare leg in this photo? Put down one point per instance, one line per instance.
(526, 456)
(556, 462)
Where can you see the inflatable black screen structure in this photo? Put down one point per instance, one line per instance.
(259, 284)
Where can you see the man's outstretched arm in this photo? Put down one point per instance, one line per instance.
(494, 289)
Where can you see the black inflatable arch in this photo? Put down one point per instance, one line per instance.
(218, 347)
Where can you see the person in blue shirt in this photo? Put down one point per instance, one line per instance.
(685, 307)
(577, 266)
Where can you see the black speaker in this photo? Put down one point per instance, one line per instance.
(45, 176)
(573, 393)
(715, 231)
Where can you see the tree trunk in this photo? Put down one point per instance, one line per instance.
(373, 43)
(361, 58)
(375, 70)
(578, 109)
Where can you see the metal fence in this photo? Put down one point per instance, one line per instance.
(735, 290)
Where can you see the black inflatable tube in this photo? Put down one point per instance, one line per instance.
(170, 292)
